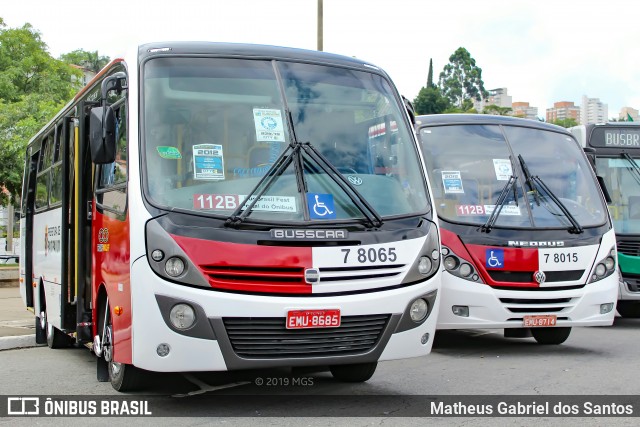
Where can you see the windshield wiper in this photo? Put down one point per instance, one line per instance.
(502, 198)
(293, 153)
(532, 181)
(529, 180)
(634, 170)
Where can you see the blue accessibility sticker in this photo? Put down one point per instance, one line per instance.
(321, 206)
(494, 258)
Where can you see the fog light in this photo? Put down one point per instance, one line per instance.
(606, 308)
(419, 309)
(424, 339)
(465, 270)
(157, 255)
(163, 350)
(450, 263)
(424, 266)
(175, 267)
(460, 310)
(182, 316)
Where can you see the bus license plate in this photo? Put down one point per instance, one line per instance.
(539, 321)
(301, 319)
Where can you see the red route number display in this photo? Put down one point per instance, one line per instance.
(304, 319)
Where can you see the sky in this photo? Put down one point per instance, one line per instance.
(542, 51)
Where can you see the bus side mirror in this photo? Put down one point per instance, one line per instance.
(102, 135)
(409, 106)
(605, 192)
(591, 156)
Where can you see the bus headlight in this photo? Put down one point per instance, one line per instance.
(604, 267)
(425, 265)
(174, 266)
(182, 316)
(460, 267)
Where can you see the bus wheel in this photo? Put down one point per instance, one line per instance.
(41, 327)
(354, 373)
(550, 336)
(630, 309)
(123, 377)
(55, 337)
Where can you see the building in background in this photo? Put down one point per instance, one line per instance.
(627, 112)
(524, 110)
(563, 110)
(593, 111)
(497, 97)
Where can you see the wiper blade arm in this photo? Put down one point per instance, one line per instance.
(502, 198)
(529, 180)
(358, 200)
(280, 165)
(634, 166)
(575, 225)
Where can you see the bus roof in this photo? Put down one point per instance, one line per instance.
(486, 119)
(249, 51)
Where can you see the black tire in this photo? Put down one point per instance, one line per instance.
(354, 373)
(56, 338)
(41, 335)
(629, 309)
(123, 377)
(550, 336)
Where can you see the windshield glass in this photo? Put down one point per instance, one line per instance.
(470, 165)
(214, 127)
(623, 183)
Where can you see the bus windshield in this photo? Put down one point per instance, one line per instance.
(471, 165)
(214, 127)
(621, 176)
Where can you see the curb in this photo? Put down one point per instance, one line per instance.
(21, 341)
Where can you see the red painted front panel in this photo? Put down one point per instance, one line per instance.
(111, 269)
(249, 268)
(515, 259)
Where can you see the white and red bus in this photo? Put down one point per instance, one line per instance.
(528, 244)
(211, 207)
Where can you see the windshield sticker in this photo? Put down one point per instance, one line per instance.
(321, 206)
(452, 182)
(208, 162)
(494, 258)
(171, 153)
(268, 124)
(232, 201)
(469, 210)
(503, 169)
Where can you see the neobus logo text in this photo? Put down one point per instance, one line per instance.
(309, 234)
(552, 244)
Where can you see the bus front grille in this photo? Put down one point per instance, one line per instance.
(527, 276)
(536, 306)
(627, 247)
(268, 337)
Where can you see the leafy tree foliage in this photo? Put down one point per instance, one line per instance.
(33, 87)
(89, 60)
(430, 101)
(565, 123)
(461, 80)
(497, 110)
(430, 75)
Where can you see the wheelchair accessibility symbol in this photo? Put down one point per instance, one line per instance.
(494, 258)
(321, 206)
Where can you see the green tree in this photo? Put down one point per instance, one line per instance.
(430, 75)
(33, 86)
(461, 80)
(430, 101)
(565, 123)
(497, 110)
(89, 60)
